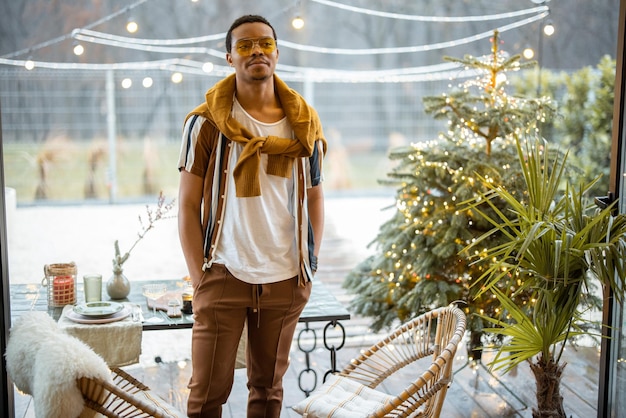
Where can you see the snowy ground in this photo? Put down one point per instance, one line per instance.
(40, 235)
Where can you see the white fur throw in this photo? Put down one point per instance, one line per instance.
(44, 362)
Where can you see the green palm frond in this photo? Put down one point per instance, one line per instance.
(555, 244)
(527, 336)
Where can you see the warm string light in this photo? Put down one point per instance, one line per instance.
(180, 64)
(412, 49)
(152, 42)
(290, 73)
(460, 19)
(297, 23)
(69, 36)
(128, 42)
(176, 66)
(78, 49)
(548, 29)
(132, 26)
(528, 53)
(167, 45)
(435, 72)
(177, 77)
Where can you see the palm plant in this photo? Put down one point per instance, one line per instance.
(558, 245)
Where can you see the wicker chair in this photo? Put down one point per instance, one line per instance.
(125, 397)
(433, 337)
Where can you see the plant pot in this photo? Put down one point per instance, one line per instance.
(118, 286)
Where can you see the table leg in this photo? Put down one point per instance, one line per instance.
(307, 350)
(333, 350)
(307, 357)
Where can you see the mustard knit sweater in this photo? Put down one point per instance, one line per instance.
(281, 151)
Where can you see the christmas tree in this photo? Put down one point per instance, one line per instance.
(418, 263)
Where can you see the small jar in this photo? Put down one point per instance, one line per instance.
(187, 297)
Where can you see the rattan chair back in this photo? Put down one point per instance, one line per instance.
(434, 335)
(125, 397)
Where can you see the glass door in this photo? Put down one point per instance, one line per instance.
(612, 382)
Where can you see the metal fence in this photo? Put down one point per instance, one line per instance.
(361, 119)
(36, 104)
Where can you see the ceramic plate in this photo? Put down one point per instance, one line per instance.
(118, 316)
(98, 309)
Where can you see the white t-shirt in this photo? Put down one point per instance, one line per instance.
(257, 243)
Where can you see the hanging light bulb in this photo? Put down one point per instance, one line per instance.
(548, 29)
(528, 53)
(131, 25)
(207, 67)
(127, 83)
(78, 49)
(177, 78)
(297, 23)
(147, 82)
(29, 64)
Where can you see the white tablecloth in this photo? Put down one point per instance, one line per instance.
(118, 343)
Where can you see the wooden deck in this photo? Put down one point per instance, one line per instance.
(474, 392)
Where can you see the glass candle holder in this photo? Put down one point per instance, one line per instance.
(60, 280)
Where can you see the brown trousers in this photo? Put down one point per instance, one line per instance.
(222, 304)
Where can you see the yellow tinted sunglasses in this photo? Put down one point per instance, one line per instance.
(245, 47)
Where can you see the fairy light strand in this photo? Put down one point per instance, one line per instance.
(288, 73)
(165, 46)
(177, 46)
(462, 19)
(149, 48)
(69, 36)
(413, 49)
(159, 42)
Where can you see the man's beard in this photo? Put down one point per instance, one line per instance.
(260, 77)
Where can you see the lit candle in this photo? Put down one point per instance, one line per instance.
(63, 290)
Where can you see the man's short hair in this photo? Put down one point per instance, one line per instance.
(240, 21)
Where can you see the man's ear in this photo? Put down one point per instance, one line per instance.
(229, 59)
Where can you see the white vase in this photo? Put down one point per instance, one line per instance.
(118, 286)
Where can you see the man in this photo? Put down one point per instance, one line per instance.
(250, 221)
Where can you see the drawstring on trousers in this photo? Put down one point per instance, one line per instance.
(257, 290)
